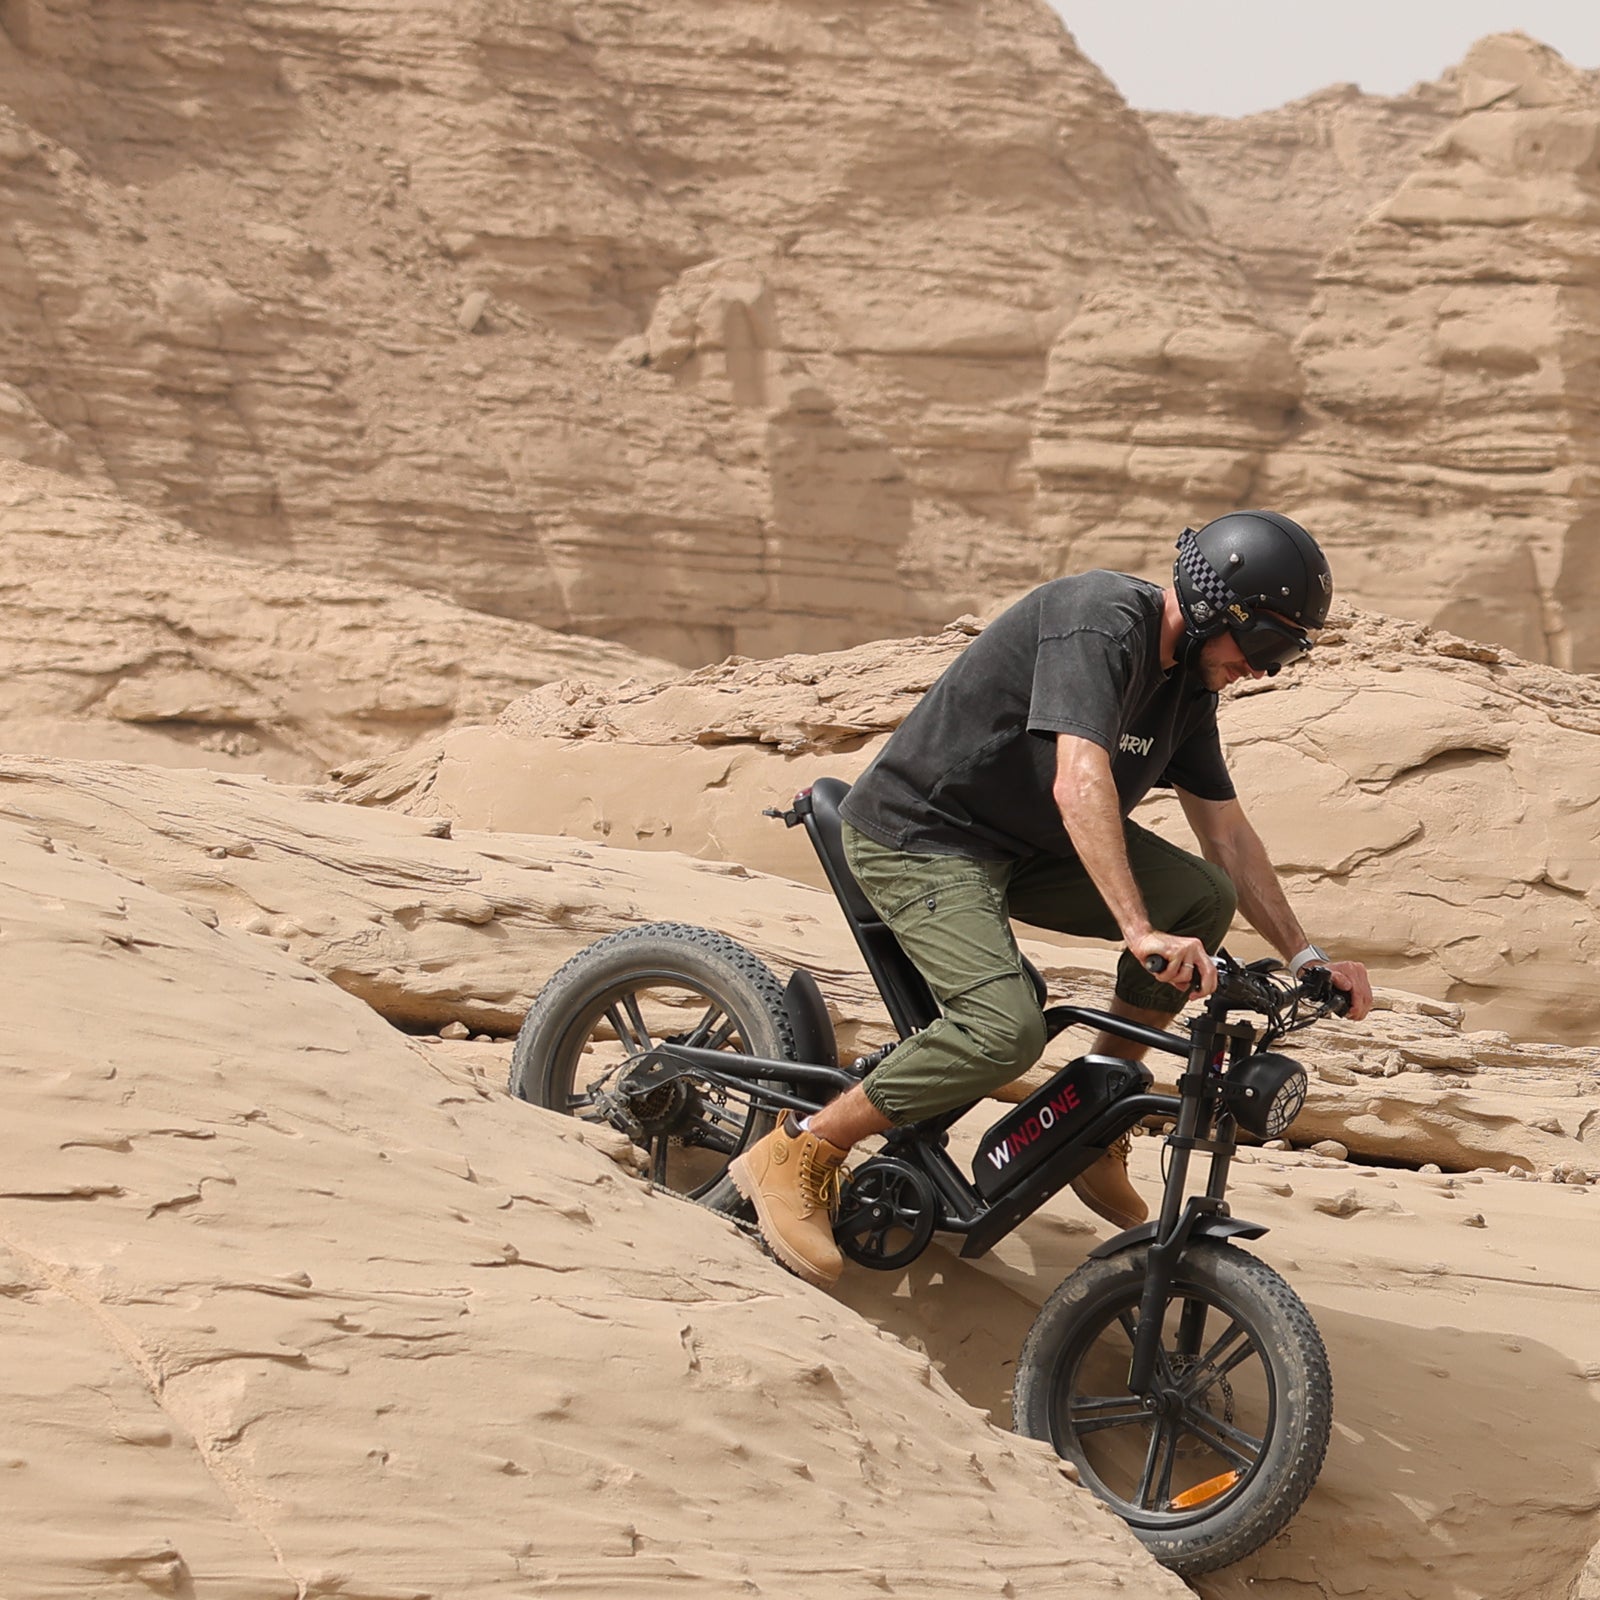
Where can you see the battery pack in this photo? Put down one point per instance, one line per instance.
(1029, 1134)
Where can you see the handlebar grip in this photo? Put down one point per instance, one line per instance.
(1155, 965)
(1318, 985)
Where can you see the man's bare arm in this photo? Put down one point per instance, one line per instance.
(1227, 837)
(1086, 796)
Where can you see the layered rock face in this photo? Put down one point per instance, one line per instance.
(1450, 371)
(1284, 187)
(743, 328)
(123, 634)
(1427, 800)
(752, 305)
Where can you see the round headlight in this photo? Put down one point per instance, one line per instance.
(1265, 1093)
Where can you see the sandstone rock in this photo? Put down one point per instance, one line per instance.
(431, 931)
(822, 430)
(1447, 366)
(290, 1310)
(126, 635)
(1284, 187)
(751, 389)
(1330, 1148)
(470, 313)
(1428, 820)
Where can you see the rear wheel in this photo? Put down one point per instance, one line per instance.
(583, 1046)
(1223, 1451)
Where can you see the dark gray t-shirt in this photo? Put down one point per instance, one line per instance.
(971, 771)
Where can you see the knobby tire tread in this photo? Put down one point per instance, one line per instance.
(715, 954)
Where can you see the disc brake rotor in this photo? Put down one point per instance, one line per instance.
(1182, 1367)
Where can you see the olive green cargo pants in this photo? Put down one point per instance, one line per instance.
(952, 916)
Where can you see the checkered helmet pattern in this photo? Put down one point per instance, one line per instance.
(1212, 595)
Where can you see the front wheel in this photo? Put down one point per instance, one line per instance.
(1222, 1452)
(584, 1048)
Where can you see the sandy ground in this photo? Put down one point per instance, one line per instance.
(1465, 1460)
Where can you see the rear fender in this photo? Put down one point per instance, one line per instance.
(807, 1011)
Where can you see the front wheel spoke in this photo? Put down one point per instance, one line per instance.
(1152, 1462)
(1092, 1405)
(1163, 1494)
(1229, 1442)
(1099, 1424)
(1208, 1375)
(1233, 1332)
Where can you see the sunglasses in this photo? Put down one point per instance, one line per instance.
(1268, 643)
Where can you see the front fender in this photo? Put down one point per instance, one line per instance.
(1203, 1227)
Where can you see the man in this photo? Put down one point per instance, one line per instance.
(1006, 793)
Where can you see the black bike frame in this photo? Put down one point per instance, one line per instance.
(1199, 1118)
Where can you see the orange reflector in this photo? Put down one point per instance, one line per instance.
(1209, 1490)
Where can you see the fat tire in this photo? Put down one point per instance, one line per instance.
(1291, 1458)
(662, 951)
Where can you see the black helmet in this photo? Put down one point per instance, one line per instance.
(1260, 576)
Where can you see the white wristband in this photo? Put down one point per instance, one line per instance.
(1304, 958)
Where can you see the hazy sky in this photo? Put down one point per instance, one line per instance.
(1235, 56)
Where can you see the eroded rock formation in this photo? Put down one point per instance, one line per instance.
(1429, 800)
(1284, 187)
(750, 304)
(1450, 374)
(293, 1310)
(430, 926)
(738, 328)
(124, 634)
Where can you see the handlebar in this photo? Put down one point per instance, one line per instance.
(1254, 986)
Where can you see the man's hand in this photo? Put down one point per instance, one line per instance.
(1351, 976)
(1189, 969)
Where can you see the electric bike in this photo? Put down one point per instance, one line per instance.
(1181, 1375)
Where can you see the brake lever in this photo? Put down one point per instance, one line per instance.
(1317, 984)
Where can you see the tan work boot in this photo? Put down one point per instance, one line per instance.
(1105, 1188)
(792, 1179)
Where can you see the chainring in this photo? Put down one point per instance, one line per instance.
(887, 1214)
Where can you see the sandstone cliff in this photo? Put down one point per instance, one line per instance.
(743, 328)
(782, 314)
(124, 634)
(1284, 187)
(1450, 374)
